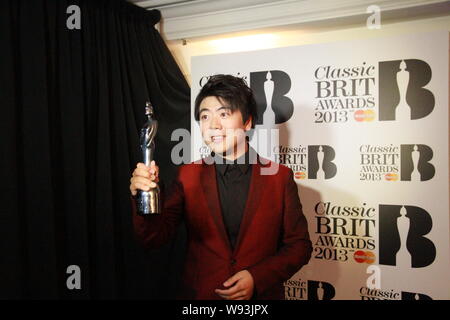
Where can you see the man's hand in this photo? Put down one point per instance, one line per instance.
(240, 287)
(144, 178)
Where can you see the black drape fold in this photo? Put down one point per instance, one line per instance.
(72, 105)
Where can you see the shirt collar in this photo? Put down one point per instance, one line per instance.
(243, 162)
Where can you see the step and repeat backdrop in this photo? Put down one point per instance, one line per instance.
(364, 125)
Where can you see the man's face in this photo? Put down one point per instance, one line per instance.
(222, 129)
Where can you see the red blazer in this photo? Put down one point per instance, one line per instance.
(273, 242)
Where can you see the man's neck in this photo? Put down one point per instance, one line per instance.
(237, 153)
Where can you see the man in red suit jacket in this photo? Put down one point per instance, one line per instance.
(246, 230)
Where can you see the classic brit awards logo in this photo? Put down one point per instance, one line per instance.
(406, 162)
(348, 93)
(343, 94)
(344, 232)
(308, 162)
(298, 289)
(390, 294)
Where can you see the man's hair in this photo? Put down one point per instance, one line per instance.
(232, 91)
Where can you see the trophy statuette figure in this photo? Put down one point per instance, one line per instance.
(148, 202)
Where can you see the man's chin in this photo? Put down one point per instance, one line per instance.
(220, 150)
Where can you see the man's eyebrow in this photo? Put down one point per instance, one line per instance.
(223, 108)
(218, 109)
(202, 110)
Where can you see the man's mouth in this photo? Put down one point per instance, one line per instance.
(217, 139)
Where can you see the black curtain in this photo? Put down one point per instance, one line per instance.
(72, 104)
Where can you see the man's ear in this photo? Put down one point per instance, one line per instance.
(248, 123)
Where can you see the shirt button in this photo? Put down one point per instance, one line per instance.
(233, 262)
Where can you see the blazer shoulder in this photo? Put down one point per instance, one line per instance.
(190, 169)
(279, 169)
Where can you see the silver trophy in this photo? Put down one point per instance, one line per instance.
(148, 202)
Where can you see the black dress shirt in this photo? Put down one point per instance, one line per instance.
(233, 182)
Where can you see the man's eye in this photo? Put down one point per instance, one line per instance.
(224, 114)
(204, 117)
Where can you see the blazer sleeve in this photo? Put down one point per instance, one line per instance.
(296, 247)
(155, 230)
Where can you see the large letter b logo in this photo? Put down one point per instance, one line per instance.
(403, 228)
(401, 86)
(273, 86)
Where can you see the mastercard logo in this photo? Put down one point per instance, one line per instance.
(364, 115)
(300, 175)
(364, 256)
(391, 176)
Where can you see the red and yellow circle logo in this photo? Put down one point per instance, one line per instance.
(300, 175)
(361, 256)
(364, 115)
(391, 176)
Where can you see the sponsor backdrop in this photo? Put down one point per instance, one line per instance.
(364, 127)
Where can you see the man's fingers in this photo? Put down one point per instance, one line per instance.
(234, 289)
(232, 280)
(141, 186)
(142, 183)
(140, 165)
(241, 295)
(228, 292)
(144, 178)
(152, 169)
(141, 172)
(146, 175)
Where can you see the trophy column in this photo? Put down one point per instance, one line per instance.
(148, 202)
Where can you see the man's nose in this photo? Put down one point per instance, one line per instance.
(215, 123)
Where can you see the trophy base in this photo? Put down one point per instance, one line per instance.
(148, 203)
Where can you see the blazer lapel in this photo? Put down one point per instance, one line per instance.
(210, 190)
(257, 187)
